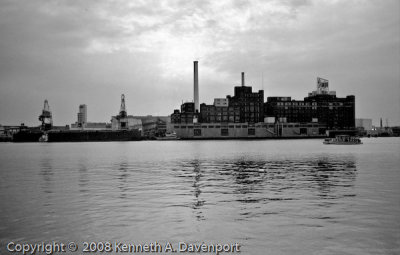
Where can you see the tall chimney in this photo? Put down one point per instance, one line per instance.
(242, 79)
(196, 87)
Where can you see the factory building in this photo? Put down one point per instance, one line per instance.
(250, 104)
(321, 106)
(185, 115)
(245, 115)
(244, 106)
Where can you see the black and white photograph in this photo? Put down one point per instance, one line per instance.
(225, 127)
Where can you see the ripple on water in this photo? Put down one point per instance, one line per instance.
(287, 200)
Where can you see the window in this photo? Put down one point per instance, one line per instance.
(251, 131)
(197, 132)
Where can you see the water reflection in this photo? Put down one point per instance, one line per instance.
(123, 178)
(268, 181)
(329, 174)
(198, 202)
(46, 171)
(83, 175)
(321, 174)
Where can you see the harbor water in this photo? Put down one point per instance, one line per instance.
(270, 196)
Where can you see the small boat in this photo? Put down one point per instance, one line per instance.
(44, 138)
(168, 136)
(343, 139)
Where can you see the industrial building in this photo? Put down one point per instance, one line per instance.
(246, 115)
(321, 106)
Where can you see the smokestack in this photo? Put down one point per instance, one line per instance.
(196, 87)
(242, 79)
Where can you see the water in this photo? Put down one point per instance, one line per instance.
(271, 196)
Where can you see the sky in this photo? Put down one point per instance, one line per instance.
(91, 52)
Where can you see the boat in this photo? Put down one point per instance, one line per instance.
(168, 136)
(44, 138)
(343, 140)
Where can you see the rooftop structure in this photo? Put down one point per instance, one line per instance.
(322, 88)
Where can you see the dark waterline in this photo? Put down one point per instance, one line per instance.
(271, 196)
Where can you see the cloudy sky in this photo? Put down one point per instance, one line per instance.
(75, 52)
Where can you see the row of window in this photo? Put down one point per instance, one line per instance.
(294, 103)
(307, 103)
(218, 126)
(257, 126)
(225, 132)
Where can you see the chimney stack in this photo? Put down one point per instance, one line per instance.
(196, 87)
(242, 79)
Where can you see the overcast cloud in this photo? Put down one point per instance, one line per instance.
(75, 52)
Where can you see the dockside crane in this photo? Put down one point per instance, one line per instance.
(46, 117)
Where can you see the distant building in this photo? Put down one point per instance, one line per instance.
(321, 106)
(244, 106)
(9, 130)
(221, 102)
(250, 104)
(186, 114)
(246, 115)
(83, 124)
(217, 113)
(365, 124)
(82, 115)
